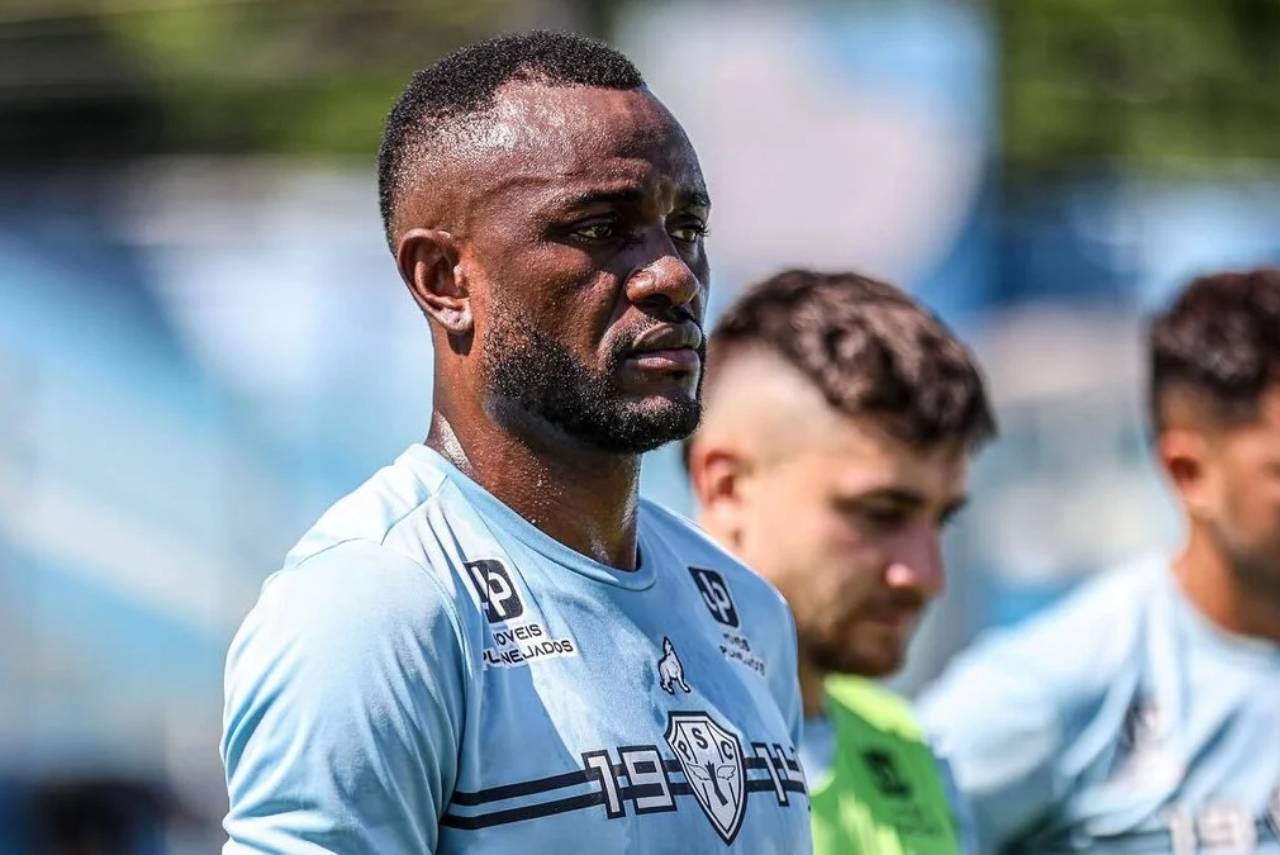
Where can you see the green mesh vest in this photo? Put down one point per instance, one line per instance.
(883, 793)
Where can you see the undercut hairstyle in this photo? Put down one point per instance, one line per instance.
(1219, 340)
(869, 348)
(462, 85)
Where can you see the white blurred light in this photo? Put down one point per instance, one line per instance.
(275, 275)
(809, 161)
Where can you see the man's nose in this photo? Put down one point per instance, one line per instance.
(666, 282)
(917, 561)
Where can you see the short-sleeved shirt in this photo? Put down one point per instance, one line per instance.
(430, 672)
(1120, 721)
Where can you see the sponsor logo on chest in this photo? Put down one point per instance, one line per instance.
(519, 637)
(734, 644)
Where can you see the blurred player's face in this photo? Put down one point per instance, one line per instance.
(849, 532)
(584, 255)
(1235, 494)
(843, 518)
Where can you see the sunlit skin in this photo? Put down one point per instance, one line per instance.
(582, 211)
(843, 518)
(1227, 479)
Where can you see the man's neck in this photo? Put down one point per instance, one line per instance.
(812, 692)
(1223, 594)
(583, 498)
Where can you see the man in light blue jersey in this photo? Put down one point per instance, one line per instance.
(840, 418)
(494, 646)
(1143, 714)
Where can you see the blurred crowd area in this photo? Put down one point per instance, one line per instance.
(203, 341)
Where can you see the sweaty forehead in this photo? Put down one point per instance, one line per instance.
(555, 137)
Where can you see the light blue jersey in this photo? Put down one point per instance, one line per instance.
(431, 673)
(1120, 721)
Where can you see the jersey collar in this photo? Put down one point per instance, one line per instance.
(511, 523)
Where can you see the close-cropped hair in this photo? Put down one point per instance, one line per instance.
(463, 84)
(869, 348)
(1220, 341)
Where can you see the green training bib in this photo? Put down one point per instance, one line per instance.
(883, 794)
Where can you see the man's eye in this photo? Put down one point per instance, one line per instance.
(884, 517)
(596, 231)
(689, 233)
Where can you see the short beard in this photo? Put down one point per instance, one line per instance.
(831, 660)
(1258, 571)
(531, 374)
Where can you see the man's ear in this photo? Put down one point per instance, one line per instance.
(1183, 455)
(428, 260)
(717, 473)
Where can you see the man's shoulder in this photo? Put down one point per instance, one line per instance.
(348, 680)
(354, 589)
(371, 511)
(1097, 624)
(709, 563)
(354, 623)
(1071, 653)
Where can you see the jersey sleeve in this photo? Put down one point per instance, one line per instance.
(345, 695)
(785, 679)
(1000, 733)
(961, 812)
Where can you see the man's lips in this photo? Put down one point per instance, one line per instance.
(668, 346)
(685, 334)
(675, 359)
(897, 619)
(900, 612)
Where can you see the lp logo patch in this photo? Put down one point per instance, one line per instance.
(715, 593)
(494, 587)
(711, 758)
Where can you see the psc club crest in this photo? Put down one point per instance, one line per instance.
(711, 758)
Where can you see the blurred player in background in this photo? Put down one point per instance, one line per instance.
(840, 417)
(1143, 714)
(493, 645)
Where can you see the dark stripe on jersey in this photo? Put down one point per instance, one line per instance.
(640, 791)
(765, 785)
(522, 788)
(470, 823)
(760, 785)
(629, 793)
(748, 762)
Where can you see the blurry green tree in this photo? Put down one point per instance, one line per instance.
(1178, 86)
(104, 78)
(1174, 85)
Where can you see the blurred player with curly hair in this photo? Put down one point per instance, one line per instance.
(840, 417)
(1143, 713)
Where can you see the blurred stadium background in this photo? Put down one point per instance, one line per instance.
(203, 342)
